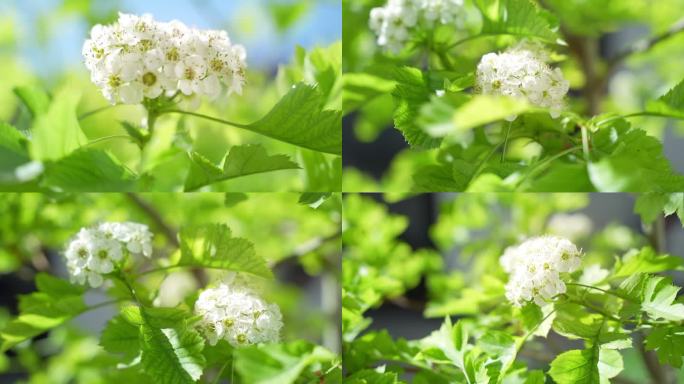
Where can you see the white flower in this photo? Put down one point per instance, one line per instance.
(138, 57)
(523, 72)
(535, 268)
(236, 313)
(573, 226)
(95, 252)
(396, 21)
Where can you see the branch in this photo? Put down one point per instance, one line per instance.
(156, 217)
(644, 45)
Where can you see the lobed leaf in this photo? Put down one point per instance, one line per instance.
(242, 160)
(213, 246)
(299, 119)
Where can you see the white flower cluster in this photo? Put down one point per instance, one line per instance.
(96, 251)
(522, 72)
(138, 57)
(534, 268)
(237, 314)
(393, 23)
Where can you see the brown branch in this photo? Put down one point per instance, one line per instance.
(169, 232)
(156, 217)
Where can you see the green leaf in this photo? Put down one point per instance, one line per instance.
(89, 170)
(631, 161)
(314, 199)
(242, 160)
(361, 88)
(452, 341)
(120, 336)
(576, 367)
(171, 355)
(478, 111)
(280, 363)
(13, 152)
(668, 342)
(139, 136)
(411, 92)
(55, 302)
(56, 133)
(234, 198)
(658, 298)
(651, 205)
(35, 98)
(517, 17)
(670, 104)
(645, 260)
(299, 118)
(212, 246)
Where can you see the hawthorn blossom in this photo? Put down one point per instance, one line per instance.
(95, 252)
(138, 57)
(236, 313)
(523, 72)
(535, 267)
(396, 21)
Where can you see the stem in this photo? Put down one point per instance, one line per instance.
(547, 161)
(223, 368)
(156, 217)
(94, 112)
(616, 294)
(638, 114)
(505, 143)
(211, 118)
(585, 143)
(105, 138)
(104, 304)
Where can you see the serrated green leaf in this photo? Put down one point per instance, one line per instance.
(517, 17)
(299, 118)
(410, 93)
(658, 298)
(88, 170)
(631, 161)
(242, 160)
(671, 104)
(213, 246)
(170, 355)
(120, 336)
(35, 98)
(668, 342)
(576, 367)
(139, 136)
(57, 132)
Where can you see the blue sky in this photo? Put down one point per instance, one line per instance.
(247, 22)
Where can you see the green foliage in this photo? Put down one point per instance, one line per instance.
(56, 133)
(287, 364)
(616, 303)
(55, 302)
(299, 118)
(517, 17)
(213, 246)
(240, 161)
(153, 334)
(463, 141)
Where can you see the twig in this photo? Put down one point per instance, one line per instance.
(156, 217)
(644, 45)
